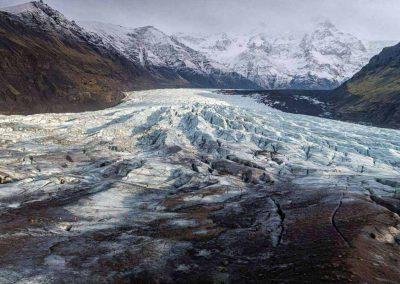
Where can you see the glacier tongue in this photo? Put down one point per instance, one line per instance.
(156, 165)
(310, 149)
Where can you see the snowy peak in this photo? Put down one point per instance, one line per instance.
(144, 45)
(320, 59)
(36, 11)
(30, 7)
(328, 39)
(155, 50)
(152, 36)
(327, 24)
(40, 15)
(325, 29)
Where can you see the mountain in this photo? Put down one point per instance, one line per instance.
(320, 59)
(51, 64)
(161, 53)
(373, 94)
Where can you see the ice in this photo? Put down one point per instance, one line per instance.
(145, 141)
(144, 177)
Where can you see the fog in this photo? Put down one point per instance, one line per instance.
(367, 19)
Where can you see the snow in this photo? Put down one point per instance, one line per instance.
(43, 17)
(321, 59)
(283, 61)
(131, 166)
(22, 8)
(150, 46)
(313, 151)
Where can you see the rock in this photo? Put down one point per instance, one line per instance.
(247, 176)
(113, 148)
(246, 173)
(266, 178)
(277, 160)
(195, 168)
(391, 204)
(226, 167)
(389, 182)
(69, 158)
(173, 149)
(244, 162)
(5, 178)
(65, 226)
(262, 153)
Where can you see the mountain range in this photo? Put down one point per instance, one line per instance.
(52, 64)
(156, 158)
(323, 58)
(162, 54)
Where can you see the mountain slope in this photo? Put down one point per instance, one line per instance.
(320, 59)
(50, 64)
(160, 53)
(373, 94)
(47, 64)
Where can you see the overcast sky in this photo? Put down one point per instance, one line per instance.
(367, 19)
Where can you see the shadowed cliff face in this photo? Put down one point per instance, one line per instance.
(373, 94)
(42, 72)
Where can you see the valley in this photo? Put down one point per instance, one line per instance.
(142, 154)
(189, 185)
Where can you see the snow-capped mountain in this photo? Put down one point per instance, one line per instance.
(322, 58)
(68, 68)
(150, 46)
(155, 50)
(38, 15)
(50, 64)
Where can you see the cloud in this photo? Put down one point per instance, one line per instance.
(369, 19)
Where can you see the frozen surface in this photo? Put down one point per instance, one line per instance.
(308, 151)
(91, 188)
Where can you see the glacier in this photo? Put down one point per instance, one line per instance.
(149, 189)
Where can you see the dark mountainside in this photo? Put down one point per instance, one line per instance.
(56, 72)
(373, 95)
(50, 64)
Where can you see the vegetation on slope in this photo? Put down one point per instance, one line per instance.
(373, 94)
